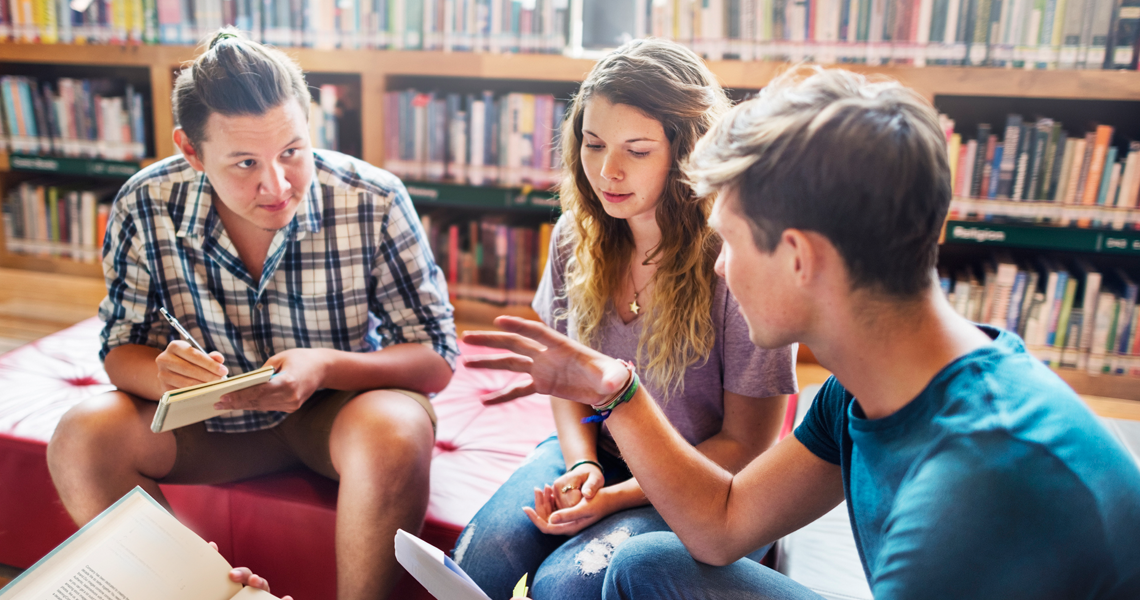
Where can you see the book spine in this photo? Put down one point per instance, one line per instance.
(1101, 141)
(1076, 167)
(1103, 322)
(1125, 34)
(995, 172)
(1009, 156)
(980, 156)
(1107, 170)
(1040, 158)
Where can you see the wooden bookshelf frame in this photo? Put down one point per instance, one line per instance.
(375, 66)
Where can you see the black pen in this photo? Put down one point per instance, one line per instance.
(181, 330)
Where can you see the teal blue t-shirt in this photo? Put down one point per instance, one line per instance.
(995, 482)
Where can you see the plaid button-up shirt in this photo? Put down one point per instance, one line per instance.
(353, 271)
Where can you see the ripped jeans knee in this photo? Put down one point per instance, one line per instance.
(578, 568)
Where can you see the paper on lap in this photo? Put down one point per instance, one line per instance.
(134, 550)
(439, 575)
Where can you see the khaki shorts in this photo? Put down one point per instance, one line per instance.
(301, 439)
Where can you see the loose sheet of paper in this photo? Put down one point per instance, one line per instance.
(434, 570)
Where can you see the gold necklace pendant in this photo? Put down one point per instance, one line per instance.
(634, 307)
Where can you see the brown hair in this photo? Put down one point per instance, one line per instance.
(669, 83)
(235, 76)
(862, 162)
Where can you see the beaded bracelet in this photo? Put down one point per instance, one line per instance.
(587, 462)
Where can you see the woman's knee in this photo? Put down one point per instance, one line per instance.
(654, 551)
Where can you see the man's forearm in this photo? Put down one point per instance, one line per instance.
(414, 367)
(132, 369)
(688, 488)
(727, 452)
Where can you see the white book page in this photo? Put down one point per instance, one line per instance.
(133, 551)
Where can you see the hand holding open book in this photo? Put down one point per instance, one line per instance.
(134, 550)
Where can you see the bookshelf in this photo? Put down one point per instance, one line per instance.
(436, 194)
(371, 73)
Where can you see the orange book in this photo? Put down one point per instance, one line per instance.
(1096, 167)
(101, 224)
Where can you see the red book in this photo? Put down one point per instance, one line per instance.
(813, 7)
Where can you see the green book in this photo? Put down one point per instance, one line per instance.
(53, 212)
(1063, 318)
(1111, 345)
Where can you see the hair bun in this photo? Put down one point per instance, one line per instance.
(223, 35)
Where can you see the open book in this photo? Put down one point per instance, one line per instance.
(134, 550)
(439, 575)
(182, 407)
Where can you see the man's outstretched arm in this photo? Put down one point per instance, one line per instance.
(719, 517)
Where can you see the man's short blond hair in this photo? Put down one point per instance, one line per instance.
(862, 162)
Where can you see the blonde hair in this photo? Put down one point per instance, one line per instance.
(671, 84)
(860, 161)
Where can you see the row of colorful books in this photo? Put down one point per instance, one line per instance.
(985, 209)
(1020, 33)
(489, 260)
(1070, 315)
(1039, 162)
(91, 118)
(51, 219)
(482, 139)
(471, 25)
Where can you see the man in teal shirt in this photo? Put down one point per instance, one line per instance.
(970, 469)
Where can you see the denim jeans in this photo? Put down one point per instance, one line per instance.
(500, 544)
(657, 566)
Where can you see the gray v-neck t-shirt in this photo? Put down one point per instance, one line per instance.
(734, 364)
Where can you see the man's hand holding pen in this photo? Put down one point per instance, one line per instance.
(182, 365)
(185, 362)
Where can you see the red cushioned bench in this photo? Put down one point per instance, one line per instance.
(282, 525)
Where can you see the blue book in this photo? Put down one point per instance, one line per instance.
(1125, 327)
(1106, 177)
(10, 107)
(995, 173)
(1055, 310)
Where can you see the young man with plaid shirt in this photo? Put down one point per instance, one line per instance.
(269, 253)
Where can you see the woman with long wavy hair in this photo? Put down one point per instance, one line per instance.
(632, 275)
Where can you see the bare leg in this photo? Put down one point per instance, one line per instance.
(381, 444)
(102, 449)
